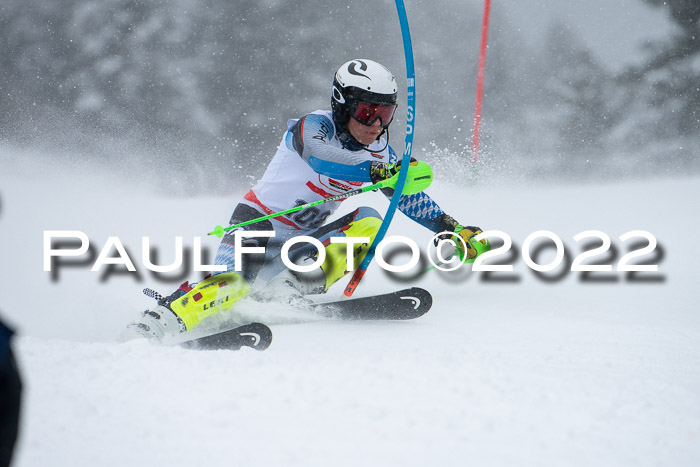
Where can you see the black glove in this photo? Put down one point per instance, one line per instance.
(462, 231)
(379, 171)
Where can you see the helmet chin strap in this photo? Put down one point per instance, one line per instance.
(348, 141)
(385, 130)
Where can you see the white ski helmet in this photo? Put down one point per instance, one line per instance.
(364, 90)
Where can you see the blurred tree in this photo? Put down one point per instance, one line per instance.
(685, 12)
(579, 93)
(212, 82)
(658, 100)
(230, 73)
(667, 81)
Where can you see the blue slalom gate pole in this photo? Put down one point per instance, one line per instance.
(406, 159)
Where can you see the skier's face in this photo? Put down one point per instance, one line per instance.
(365, 134)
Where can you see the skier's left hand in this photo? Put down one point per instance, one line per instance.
(465, 233)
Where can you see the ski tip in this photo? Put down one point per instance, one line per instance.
(254, 335)
(400, 305)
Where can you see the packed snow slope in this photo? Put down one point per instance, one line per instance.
(506, 369)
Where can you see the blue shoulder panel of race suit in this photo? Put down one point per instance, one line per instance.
(351, 173)
(310, 136)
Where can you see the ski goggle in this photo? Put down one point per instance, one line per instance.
(366, 113)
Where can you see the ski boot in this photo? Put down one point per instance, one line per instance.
(291, 287)
(188, 306)
(155, 324)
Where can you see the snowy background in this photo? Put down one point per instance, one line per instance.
(134, 118)
(195, 84)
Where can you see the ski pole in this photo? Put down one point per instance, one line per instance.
(420, 176)
(408, 148)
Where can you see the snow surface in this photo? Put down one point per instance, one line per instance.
(523, 372)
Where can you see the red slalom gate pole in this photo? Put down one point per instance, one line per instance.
(480, 82)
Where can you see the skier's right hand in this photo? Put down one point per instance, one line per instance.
(381, 171)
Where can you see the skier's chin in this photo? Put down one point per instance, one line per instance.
(369, 138)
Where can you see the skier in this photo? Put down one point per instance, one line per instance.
(322, 154)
